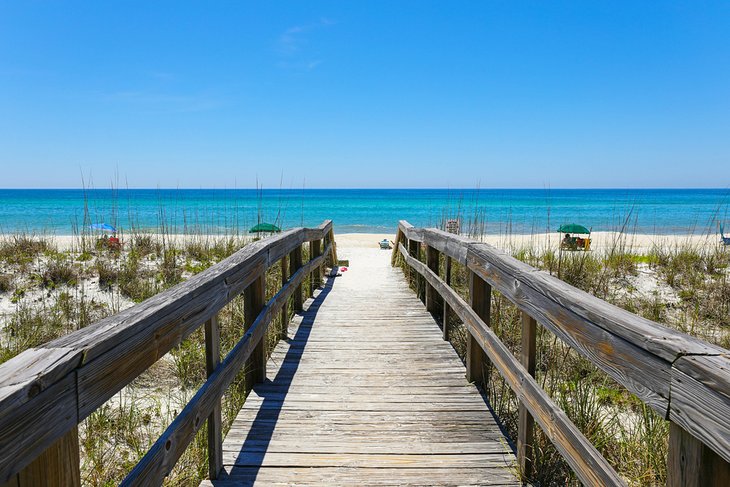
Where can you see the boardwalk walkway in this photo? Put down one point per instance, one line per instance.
(366, 392)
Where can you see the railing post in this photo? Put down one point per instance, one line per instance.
(480, 297)
(691, 463)
(445, 326)
(57, 466)
(525, 423)
(315, 276)
(295, 263)
(215, 432)
(254, 301)
(432, 297)
(414, 249)
(333, 251)
(284, 332)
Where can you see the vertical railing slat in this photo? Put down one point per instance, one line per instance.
(284, 331)
(432, 297)
(315, 277)
(691, 463)
(295, 263)
(480, 297)
(445, 327)
(525, 422)
(58, 466)
(215, 431)
(254, 301)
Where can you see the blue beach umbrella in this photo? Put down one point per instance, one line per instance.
(104, 227)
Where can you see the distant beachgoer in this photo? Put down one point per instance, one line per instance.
(566, 239)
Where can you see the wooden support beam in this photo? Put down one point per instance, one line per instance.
(432, 296)
(215, 429)
(57, 466)
(315, 278)
(445, 326)
(480, 297)
(284, 331)
(414, 250)
(295, 262)
(691, 463)
(254, 301)
(525, 423)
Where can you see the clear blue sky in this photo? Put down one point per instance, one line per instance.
(366, 94)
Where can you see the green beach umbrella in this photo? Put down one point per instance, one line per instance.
(265, 228)
(573, 228)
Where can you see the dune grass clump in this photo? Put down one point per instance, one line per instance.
(59, 272)
(21, 249)
(6, 283)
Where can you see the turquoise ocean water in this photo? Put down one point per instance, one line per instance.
(500, 211)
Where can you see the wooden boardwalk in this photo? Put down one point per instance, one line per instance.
(365, 391)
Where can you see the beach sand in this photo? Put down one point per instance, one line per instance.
(600, 241)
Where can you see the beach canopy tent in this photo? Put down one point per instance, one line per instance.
(104, 227)
(723, 239)
(574, 243)
(265, 228)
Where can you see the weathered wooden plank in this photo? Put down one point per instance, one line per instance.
(374, 476)
(315, 278)
(525, 422)
(692, 464)
(372, 460)
(33, 419)
(445, 319)
(254, 302)
(433, 301)
(335, 400)
(588, 464)
(215, 427)
(57, 466)
(480, 297)
(163, 455)
(703, 412)
(640, 371)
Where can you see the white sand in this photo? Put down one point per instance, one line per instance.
(601, 241)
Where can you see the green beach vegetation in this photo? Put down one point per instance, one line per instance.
(683, 285)
(49, 290)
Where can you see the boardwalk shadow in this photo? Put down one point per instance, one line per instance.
(250, 459)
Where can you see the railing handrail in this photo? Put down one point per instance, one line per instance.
(684, 379)
(47, 390)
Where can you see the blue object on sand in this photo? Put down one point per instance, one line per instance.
(104, 227)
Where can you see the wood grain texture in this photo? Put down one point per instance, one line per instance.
(57, 466)
(692, 464)
(525, 422)
(165, 452)
(433, 300)
(587, 463)
(295, 263)
(254, 301)
(636, 352)
(61, 382)
(215, 426)
(480, 299)
(366, 394)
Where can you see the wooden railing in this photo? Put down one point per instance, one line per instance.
(46, 391)
(685, 380)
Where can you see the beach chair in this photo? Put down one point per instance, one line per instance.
(385, 244)
(723, 239)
